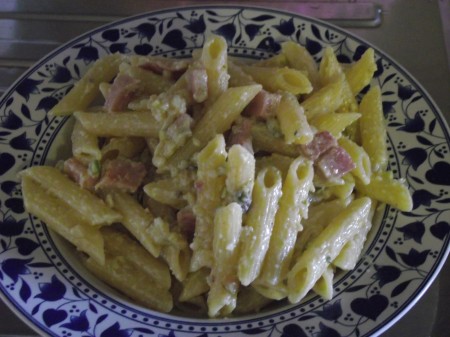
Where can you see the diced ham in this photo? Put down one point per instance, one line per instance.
(122, 91)
(162, 66)
(186, 222)
(197, 82)
(241, 133)
(321, 142)
(79, 172)
(334, 163)
(263, 105)
(122, 174)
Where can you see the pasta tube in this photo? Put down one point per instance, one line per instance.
(259, 224)
(322, 250)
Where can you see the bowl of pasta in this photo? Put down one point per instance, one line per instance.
(219, 170)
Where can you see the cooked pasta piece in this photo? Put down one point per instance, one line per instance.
(210, 184)
(293, 207)
(123, 124)
(224, 280)
(91, 208)
(322, 250)
(65, 221)
(373, 129)
(259, 224)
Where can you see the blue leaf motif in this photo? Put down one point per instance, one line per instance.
(88, 54)
(370, 307)
(414, 230)
(252, 30)
(422, 197)
(400, 288)
(414, 258)
(78, 323)
(115, 331)
(52, 291)
(146, 30)
(228, 31)
(10, 121)
(196, 26)
(143, 49)
(15, 204)
(331, 311)
(263, 17)
(360, 50)
(326, 331)
(8, 186)
(26, 246)
(386, 274)
(438, 174)
(118, 48)
(380, 69)
(414, 125)
(391, 253)
(61, 75)
(313, 47)
(21, 142)
(7, 161)
(342, 58)
(293, 330)
(388, 107)
(16, 267)
(111, 35)
(405, 92)
(440, 229)
(316, 32)
(25, 291)
(25, 111)
(286, 28)
(174, 39)
(53, 316)
(10, 227)
(27, 87)
(415, 157)
(47, 103)
(269, 44)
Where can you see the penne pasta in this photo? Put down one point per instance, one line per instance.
(123, 124)
(293, 207)
(322, 250)
(225, 283)
(259, 224)
(292, 119)
(90, 207)
(65, 221)
(285, 79)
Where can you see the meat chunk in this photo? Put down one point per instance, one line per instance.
(241, 133)
(122, 174)
(334, 163)
(263, 105)
(122, 91)
(80, 173)
(186, 222)
(321, 142)
(197, 82)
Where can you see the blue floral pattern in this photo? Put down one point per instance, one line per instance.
(39, 273)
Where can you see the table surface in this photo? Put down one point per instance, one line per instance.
(407, 31)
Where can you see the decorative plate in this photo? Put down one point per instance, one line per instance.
(41, 279)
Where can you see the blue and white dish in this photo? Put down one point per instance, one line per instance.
(41, 278)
